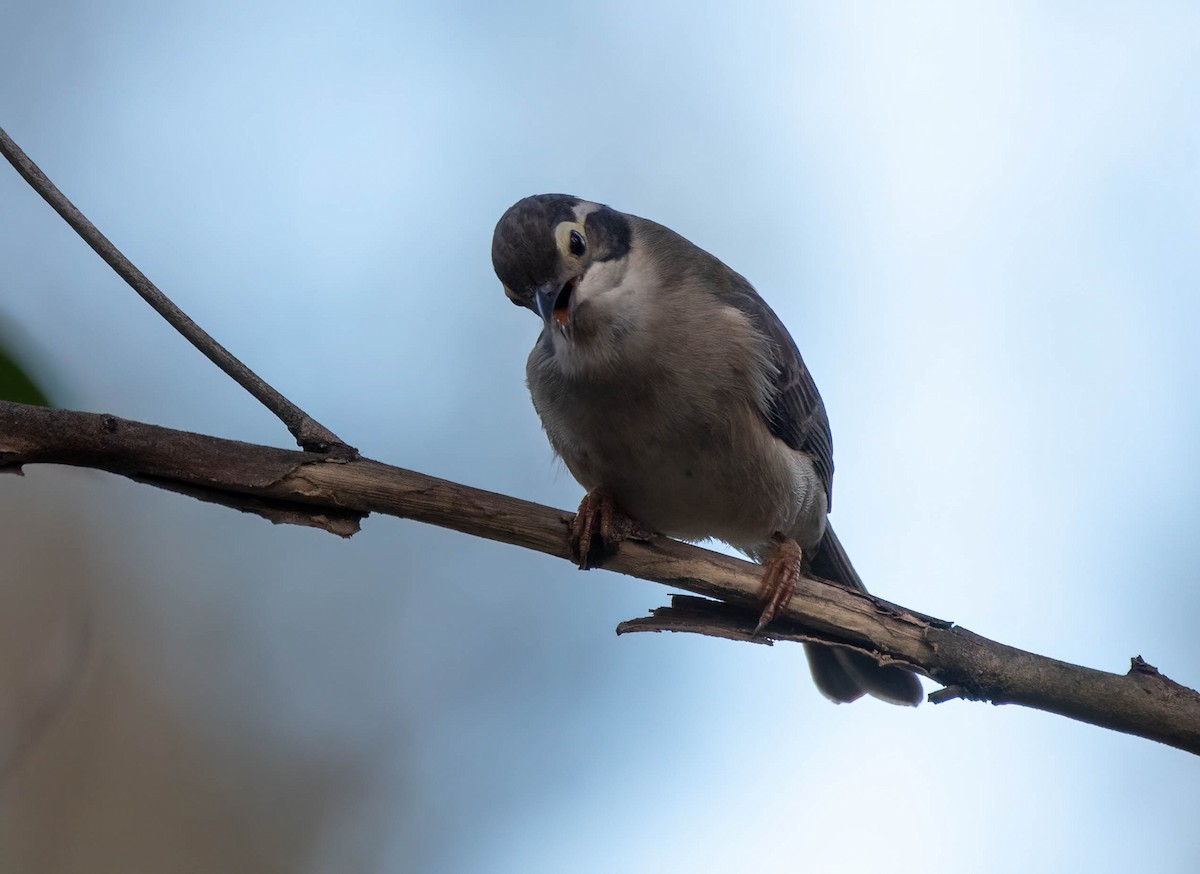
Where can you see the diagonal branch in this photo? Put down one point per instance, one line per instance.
(306, 487)
(309, 433)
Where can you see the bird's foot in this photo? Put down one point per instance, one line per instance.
(779, 579)
(599, 515)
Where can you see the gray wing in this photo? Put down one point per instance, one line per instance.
(796, 414)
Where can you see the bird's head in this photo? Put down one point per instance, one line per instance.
(545, 246)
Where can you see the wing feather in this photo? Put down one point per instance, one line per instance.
(795, 412)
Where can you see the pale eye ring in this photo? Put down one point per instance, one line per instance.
(576, 244)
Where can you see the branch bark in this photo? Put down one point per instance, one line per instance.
(334, 493)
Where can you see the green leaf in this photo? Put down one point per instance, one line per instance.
(15, 384)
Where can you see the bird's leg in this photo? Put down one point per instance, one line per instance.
(595, 505)
(599, 514)
(780, 578)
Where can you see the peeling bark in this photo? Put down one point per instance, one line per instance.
(335, 493)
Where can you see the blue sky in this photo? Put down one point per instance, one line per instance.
(979, 222)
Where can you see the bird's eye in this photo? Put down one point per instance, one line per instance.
(577, 244)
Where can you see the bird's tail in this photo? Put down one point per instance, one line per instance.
(844, 675)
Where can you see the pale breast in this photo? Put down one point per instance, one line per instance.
(687, 453)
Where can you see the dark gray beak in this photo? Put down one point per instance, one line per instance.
(544, 298)
(552, 302)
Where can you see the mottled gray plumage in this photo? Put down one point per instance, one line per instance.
(663, 378)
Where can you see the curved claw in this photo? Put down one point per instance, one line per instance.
(595, 510)
(779, 579)
(599, 514)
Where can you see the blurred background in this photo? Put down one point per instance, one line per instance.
(979, 221)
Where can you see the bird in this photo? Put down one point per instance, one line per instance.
(676, 397)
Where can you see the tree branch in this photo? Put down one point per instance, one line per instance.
(310, 488)
(309, 433)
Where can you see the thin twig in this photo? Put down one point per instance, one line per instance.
(309, 433)
(1142, 702)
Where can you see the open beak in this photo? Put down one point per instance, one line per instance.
(553, 303)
